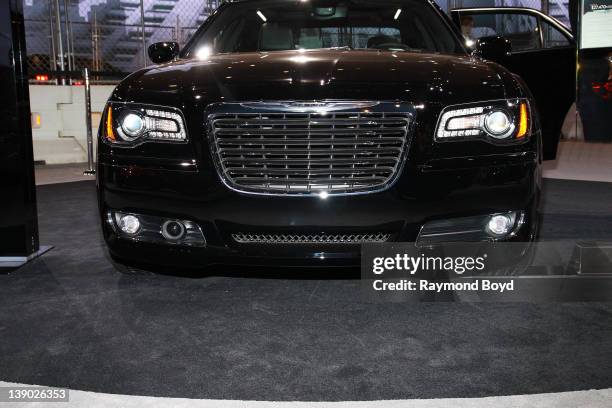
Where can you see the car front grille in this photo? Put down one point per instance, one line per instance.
(277, 152)
(321, 238)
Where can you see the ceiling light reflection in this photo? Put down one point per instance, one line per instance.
(203, 52)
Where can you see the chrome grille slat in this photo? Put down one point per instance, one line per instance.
(292, 151)
(336, 141)
(232, 123)
(318, 181)
(308, 172)
(308, 152)
(338, 161)
(320, 238)
(290, 131)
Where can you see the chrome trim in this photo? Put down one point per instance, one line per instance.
(540, 32)
(398, 110)
(320, 238)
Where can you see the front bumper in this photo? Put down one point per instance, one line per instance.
(443, 189)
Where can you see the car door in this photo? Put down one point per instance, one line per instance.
(543, 54)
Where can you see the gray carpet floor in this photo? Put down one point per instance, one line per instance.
(69, 319)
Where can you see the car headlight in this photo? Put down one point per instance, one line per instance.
(132, 125)
(127, 124)
(504, 120)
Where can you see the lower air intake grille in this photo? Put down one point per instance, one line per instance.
(281, 152)
(253, 238)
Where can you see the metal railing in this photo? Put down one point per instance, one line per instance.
(108, 38)
(94, 46)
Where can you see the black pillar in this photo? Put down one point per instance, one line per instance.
(18, 217)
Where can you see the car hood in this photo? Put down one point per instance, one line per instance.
(318, 74)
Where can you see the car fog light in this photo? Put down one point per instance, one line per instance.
(500, 225)
(129, 224)
(498, 124)
(173, 230)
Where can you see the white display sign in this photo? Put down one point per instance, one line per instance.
(596, 24)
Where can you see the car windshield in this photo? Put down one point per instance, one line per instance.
(280, 25)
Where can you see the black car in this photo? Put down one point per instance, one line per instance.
(291, 132)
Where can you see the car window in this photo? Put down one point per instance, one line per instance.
(552, 36)
(277, 25)
(521, 29)
(328, 37)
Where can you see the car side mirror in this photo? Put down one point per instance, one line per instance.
(494, 48)
(161, 52)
